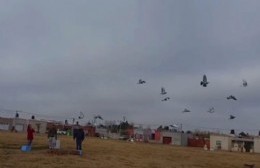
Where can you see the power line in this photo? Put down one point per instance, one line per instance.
(13, 112)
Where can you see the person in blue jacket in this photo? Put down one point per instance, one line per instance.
(79, 136)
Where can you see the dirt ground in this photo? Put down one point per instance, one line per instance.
(100, 153)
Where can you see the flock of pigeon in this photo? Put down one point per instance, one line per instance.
(203, 83)
(163, 92)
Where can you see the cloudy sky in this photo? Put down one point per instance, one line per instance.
(58, 58)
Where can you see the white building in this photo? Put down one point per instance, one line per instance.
(234, 143)
(220, 142)
(257, 144)
(20, 125)
(102, 132)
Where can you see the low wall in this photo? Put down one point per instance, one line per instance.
(193, 142)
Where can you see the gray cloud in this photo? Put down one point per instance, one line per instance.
(62, 57)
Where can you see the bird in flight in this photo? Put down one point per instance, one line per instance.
(166, 99)
(141, 81)
(244, 83)
(231, 117)
(211, 110)
(81, 115)
(163, 92)
(98, 117)
(204, 81)
(174, 126)
(231, 97)
(186, 110)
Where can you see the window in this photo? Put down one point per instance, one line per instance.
(218, 144)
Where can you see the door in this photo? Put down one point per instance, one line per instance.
(167, 140)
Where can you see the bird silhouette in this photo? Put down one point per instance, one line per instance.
(231, 97)
(141, 81)
(163, 92)
(231, 117)
(211, 110)
(204, 81)
(174, 126)
(186, 110)
(166, 99)
(81, 115)
(244, 83)
(98, 117)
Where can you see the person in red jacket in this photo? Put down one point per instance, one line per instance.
(30, 132)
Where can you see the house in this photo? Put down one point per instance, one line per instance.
(139, 134)
(155, 136)
(220, 142)
(174, 138)
(20, 124)
(233, 143)
(90, 130)
(5, 124)
(101, 132)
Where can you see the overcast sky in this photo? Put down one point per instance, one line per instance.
(58, 58)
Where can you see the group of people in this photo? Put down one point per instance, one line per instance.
(78, 135)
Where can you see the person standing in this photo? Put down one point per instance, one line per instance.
(52, 136)
(79, 136)
(30, 132)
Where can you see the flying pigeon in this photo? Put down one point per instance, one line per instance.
(81, 116)
(141, 81)
(244, 83)
(163, 92)
(174, 126)
(165, 99)
(204, 82)
(211, 110)
(186, 110)
(98, 117)
(231, 117)
(231, 97)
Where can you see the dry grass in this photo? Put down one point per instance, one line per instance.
(98, 153)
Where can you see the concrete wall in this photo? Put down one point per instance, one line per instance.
(223, 140)
(21, 124)
(257, 144)
(184, 139)
(178, 138)
(102, 132)
(139, 131)
(39, 126)
(113, 135)
(5, 124)
(198, 142)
